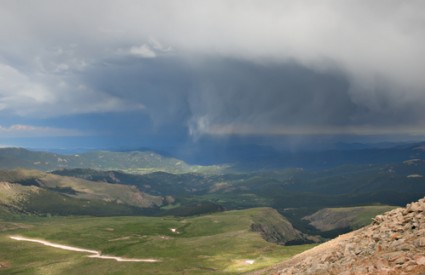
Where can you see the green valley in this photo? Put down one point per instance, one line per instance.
(226, 221)
(222, 242)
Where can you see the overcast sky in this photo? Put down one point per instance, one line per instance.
(179, 71)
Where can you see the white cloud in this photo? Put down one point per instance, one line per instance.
(368, 39)
(20, 130)
(143, 51)
(158, 46)
(16, 86)
(45, 95)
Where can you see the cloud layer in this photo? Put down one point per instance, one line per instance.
(219, 67)
(19, 131)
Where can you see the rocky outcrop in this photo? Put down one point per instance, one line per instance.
(393, 244)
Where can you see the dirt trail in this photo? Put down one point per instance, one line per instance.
(96, 254)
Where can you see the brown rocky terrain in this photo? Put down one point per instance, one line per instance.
(394, 243)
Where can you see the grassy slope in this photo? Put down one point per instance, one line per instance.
(346, 217)
(219, 242)
(102, 191)
(81, 188)
(18, 199)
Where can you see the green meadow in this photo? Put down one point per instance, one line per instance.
(221, 243)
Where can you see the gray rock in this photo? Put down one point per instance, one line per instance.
(392, 256)
(401, 260)
(420, 242)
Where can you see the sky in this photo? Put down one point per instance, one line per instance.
(162, 74)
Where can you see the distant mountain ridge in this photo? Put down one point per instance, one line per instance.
(135, 161)
(270, 159)
(245, 159)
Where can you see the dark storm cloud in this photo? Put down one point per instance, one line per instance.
(238, 94)
(228, 96)
(219, 67)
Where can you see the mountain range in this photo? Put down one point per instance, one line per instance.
(296, 205)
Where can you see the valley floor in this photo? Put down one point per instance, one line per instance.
(220, 242)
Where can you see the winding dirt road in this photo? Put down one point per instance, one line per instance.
(96, 254)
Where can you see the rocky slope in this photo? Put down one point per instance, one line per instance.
(394, 243)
